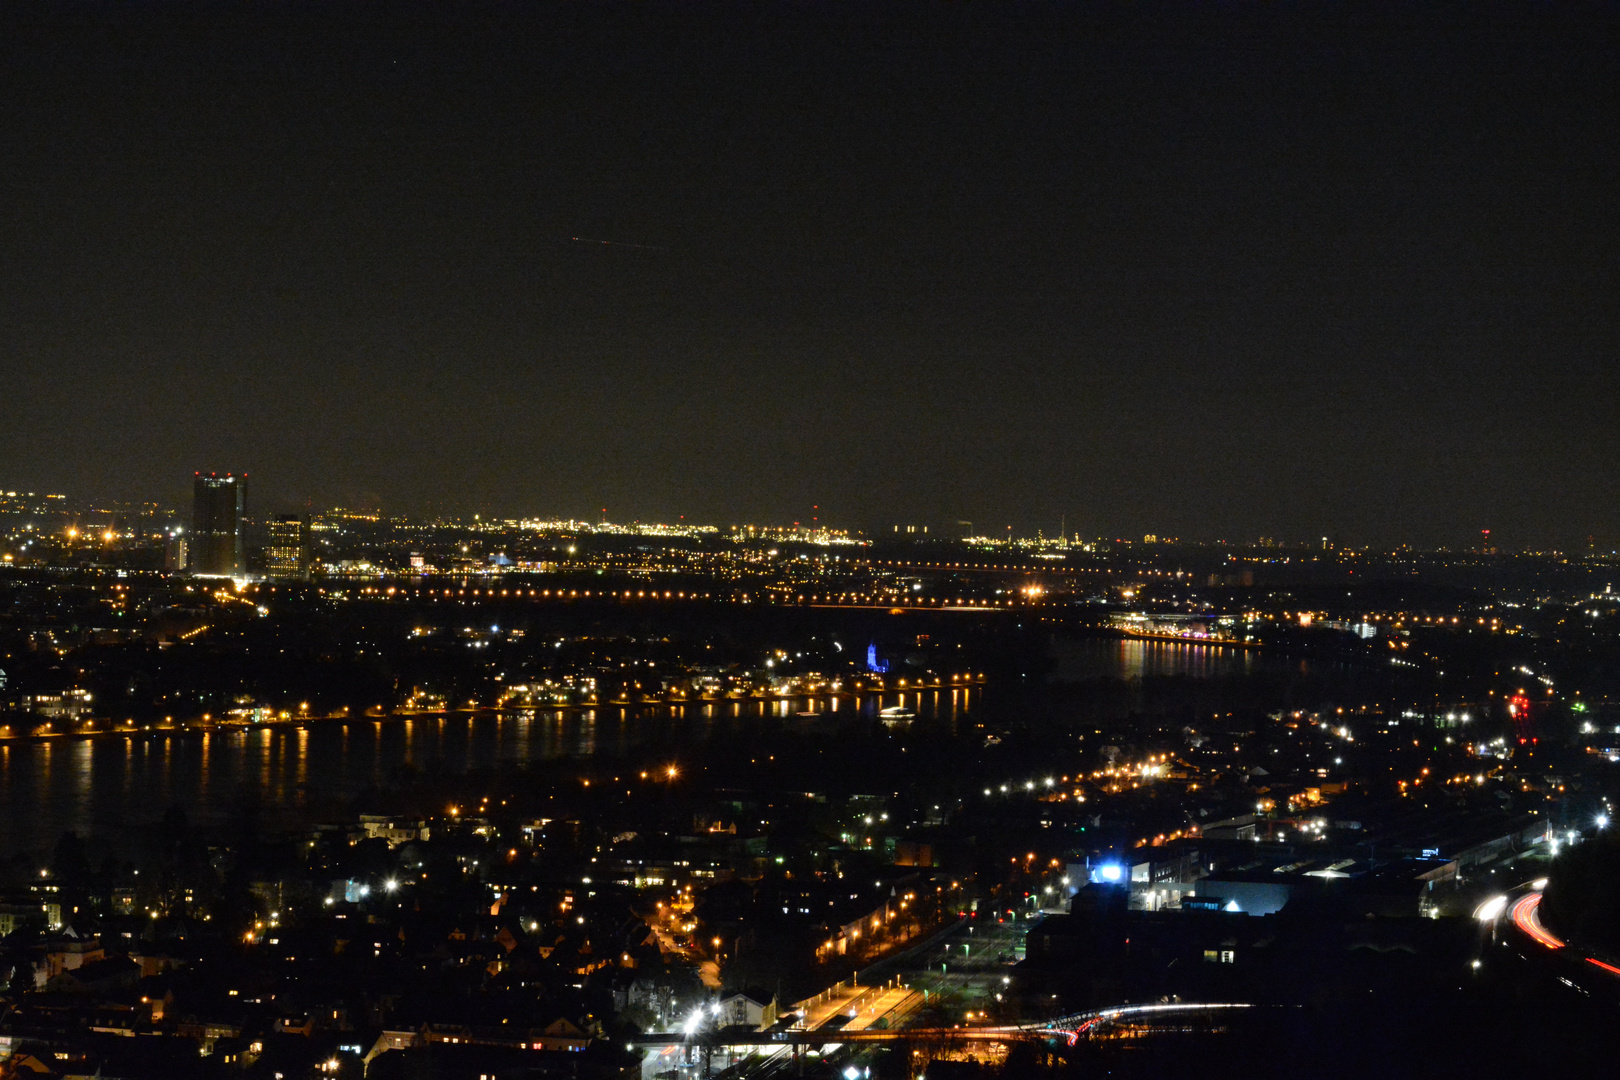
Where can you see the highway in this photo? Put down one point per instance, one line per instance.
(1581, 970)
(1525, 915)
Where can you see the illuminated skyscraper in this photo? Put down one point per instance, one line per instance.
(217, 504)
(176, 550)
(287, 555)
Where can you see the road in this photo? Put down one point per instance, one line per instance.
(1580, 970)
(1525, 914)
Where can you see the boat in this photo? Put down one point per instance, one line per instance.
(896, 714)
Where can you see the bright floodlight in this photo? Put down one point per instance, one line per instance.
(1603, 821)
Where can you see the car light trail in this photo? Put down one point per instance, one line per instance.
(1524, 917)
(1605, 967)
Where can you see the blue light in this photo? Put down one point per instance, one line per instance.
(1110, 872)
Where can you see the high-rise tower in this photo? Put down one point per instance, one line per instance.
(287, 554)
(176, 550)
(216, 525)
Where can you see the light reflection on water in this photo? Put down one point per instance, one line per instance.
(112, 787)
(1135, 658)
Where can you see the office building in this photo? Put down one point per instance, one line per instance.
(287, 554)
(176, 550)
(217, 507)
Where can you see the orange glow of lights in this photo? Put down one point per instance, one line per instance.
(1524, 917)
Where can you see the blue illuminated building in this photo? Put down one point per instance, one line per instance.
(873, 664)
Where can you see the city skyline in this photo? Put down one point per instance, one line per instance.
(1245, 273)
(73, 507)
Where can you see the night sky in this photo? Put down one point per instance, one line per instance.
(1213, 271)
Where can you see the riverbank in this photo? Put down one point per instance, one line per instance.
(839, 703)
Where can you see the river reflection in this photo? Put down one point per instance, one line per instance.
(1135, 658)
(113, 786)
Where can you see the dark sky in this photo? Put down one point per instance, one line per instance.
(1217, 271)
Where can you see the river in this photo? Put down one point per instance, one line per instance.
(111, 787)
